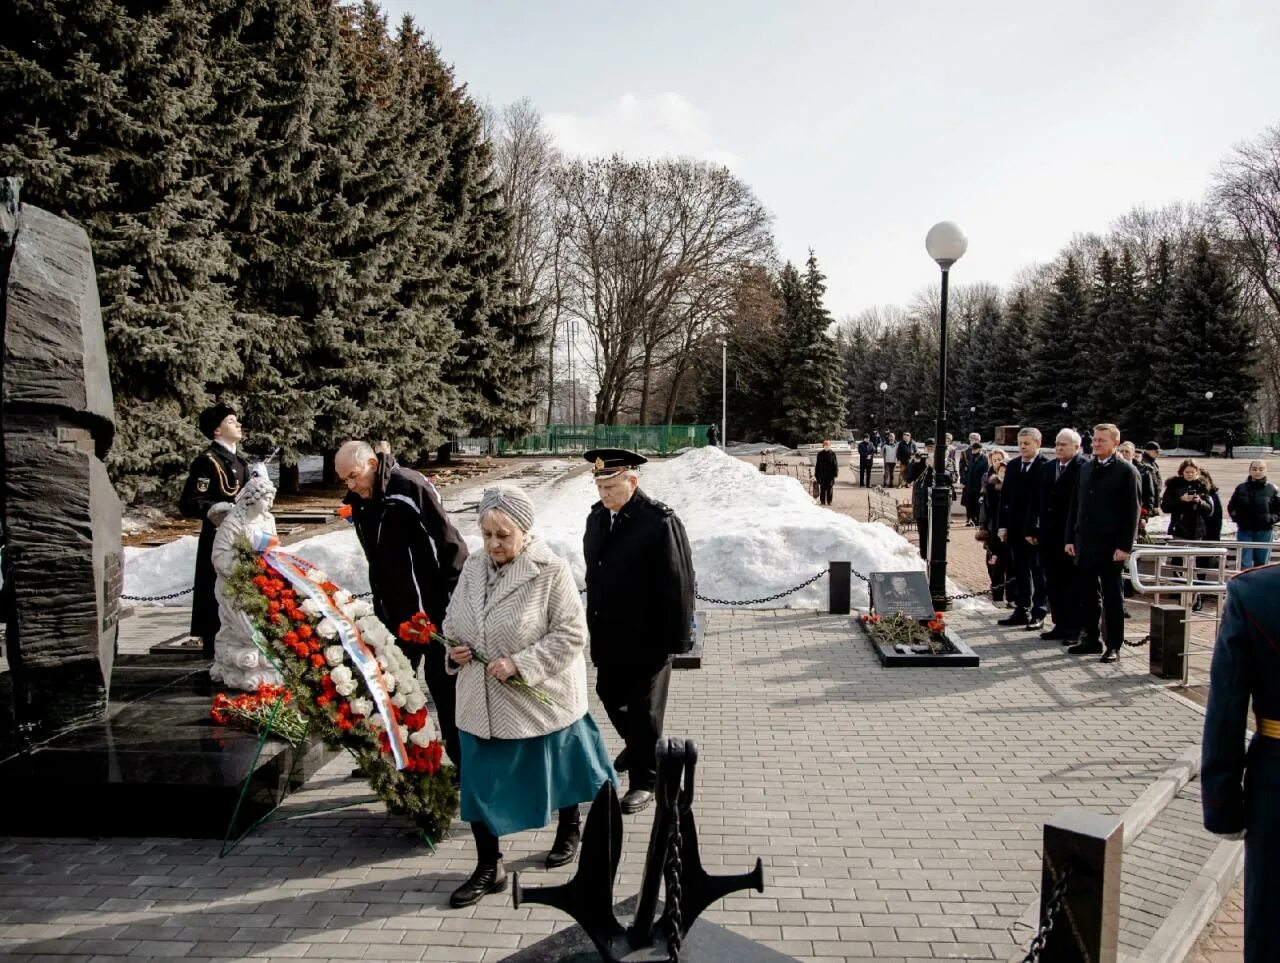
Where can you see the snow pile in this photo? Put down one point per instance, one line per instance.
(752, 534)
(161, 571)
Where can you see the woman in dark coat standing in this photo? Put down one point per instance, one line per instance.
(1188, 503)
(1255, 508)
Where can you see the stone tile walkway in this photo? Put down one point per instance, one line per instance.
(898, 813)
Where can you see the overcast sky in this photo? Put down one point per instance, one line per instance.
(860, 124)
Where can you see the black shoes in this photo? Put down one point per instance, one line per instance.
(1017, 618)
(1055, 634)
(1198, 604)
(1111, 655)
(636, 800)
(568, 838)
(488, 878)
(1034, 624)
(620, 761)
(1087, 647)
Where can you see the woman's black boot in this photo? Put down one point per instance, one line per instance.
(489, 877)
(568, 836)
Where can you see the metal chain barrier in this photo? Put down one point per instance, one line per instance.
(768, 598)
(674, 873)
(1050, 916)
(1139, 644)
(157, 598)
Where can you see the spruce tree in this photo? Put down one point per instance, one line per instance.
(1058, 341)
(108, 116)
(1149, 352)
(1005, 374)
(1211, 347)
(812, 394)
(1110, 311)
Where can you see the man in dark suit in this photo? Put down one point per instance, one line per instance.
(209, 493)
(1056, 492)
(973, 471)
(866, 455)
(1017, 506)
(825, 470)
(1103, 525)
(639, 610)
(1238, 787)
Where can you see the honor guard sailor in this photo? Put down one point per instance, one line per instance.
(209, 493)
(640, 590)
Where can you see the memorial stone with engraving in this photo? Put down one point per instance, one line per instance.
(905, 592)
(59, 514)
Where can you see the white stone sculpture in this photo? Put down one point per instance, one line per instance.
(237, 662)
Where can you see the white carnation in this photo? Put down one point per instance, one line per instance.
(341, 675)
(318, 575)
(374, 721)
(348, 610)
(361, 706)
(335, 655)
(398, 700)
(421, 737)
(342, 597)
(326, 629)
(345, 688)
(383, 664)
(389, 681)
(312, 608)
(414, 701)
(360, 608)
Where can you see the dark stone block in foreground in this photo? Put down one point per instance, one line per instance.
(156, 765)
(963, 657)
(706, 943)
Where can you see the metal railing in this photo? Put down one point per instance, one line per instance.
(1178, 571)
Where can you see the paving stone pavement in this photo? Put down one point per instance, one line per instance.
(898, 812)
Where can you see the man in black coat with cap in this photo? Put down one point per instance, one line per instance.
(415, 557)
(212, 484)
(825, 470)
(1103, 525)
(640, 591)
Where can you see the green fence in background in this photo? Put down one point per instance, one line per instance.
(568, 439)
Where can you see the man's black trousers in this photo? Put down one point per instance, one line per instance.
(824, 492)
(864, 474)
(1061, 575)
(1102, 600)
(444, 695)
(1029, 594)
(636, 701)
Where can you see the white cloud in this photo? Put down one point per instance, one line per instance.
(664, 125)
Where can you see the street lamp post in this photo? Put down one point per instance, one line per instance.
(724, 392)
(884, 386)
(1208, 435)
(946, 244)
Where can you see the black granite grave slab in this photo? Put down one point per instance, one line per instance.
(154, 764)
(964, 657)
(705, 943)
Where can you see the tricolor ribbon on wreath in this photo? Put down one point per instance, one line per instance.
(295, 571)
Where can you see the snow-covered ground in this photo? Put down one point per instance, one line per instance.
(752, 534)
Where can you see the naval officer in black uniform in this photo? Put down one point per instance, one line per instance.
(212, 485)
(639, 610)
(1239, 789)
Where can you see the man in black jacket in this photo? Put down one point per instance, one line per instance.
(866, 455)
(1017, 505)
(1151, 452)
(919, 475)
(415, 556)
(973, 471)
(1057, 490)
(209, 493)
(640, 588)
(825, 470)
(1102, 527)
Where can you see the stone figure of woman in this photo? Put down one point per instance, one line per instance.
(237, 662)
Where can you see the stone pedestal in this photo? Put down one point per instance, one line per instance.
(59, 513)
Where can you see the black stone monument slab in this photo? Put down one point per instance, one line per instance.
(59, 515)
(704, 943)
(905, 592)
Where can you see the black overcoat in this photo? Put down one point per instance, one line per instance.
(415, 554)
(640, 585)
(1018, 498)
(215, 476)
(826, 467)
(1054, 496)
(1104, 513)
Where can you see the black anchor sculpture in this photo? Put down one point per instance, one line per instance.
(672, 854)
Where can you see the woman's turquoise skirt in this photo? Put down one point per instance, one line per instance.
(517, 784)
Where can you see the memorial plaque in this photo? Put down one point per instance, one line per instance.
(906, 592)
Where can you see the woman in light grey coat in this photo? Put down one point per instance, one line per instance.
(517, 607)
